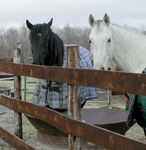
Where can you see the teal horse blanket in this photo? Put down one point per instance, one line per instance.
(137, 109)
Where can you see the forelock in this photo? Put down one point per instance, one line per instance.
(38, 29)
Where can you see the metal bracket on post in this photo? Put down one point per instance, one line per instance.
(17, 92)
(74, 101)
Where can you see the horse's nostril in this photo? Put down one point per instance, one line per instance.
(108, 68)
(90, 41)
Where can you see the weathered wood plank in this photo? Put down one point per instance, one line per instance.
(76, 128)
(17, 92)
(6, 59)
(114, 81)
(74, 100)
(14, 141)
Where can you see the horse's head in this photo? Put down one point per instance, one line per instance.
(42, 44)
(101, 42)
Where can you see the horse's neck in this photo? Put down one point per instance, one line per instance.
(129, 50)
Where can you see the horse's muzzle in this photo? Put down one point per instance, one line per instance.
(38, 63)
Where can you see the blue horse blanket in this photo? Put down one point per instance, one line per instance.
(56, 95)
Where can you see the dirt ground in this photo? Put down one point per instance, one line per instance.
(30, 133)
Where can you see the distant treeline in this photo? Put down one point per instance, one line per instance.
(9, 37)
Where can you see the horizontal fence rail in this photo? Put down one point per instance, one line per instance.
(97, 135)
(14, 141)
(115, 81)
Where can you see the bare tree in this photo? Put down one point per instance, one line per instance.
(69, 34)
(12, 38)
(74, 35)
(3, 51)
(25, 42)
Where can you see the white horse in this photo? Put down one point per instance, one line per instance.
(110, 43)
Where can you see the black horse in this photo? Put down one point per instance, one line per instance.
(47, 48)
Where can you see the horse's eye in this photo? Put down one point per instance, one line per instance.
(90, 41)
(109, 40)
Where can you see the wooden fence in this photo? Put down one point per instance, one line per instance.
(116, 81)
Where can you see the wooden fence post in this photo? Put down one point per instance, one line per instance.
(74, 102)
(17, 92)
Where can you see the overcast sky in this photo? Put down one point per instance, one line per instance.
(73, 12)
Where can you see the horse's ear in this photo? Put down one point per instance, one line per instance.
(29, 25)
(50, 23)
(106, 19)
(91, 20)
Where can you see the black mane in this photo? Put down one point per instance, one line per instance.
(56, 49)
(45, 42)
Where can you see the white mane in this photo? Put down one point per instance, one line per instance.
(130, 29)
